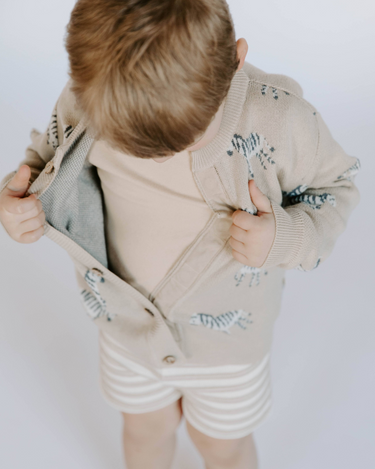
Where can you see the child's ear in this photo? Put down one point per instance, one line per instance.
(242, 48)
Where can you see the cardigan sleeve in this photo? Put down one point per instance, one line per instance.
(39, 151)
(43, 145)
(315, 213)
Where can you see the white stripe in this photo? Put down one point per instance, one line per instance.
(134, 378)
(202, 370)
(239, 393)
(225, 381)
(239, 416)
(226, 427)
(116, 384)
(138, 400)
(235, 405)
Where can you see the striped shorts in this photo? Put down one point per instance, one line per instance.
(224, 402)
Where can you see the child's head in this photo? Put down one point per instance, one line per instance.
(150, 75)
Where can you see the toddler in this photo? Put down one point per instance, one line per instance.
(183, 182)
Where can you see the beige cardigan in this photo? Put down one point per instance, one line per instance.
(209, 309)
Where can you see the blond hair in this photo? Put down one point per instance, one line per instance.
(150, 76)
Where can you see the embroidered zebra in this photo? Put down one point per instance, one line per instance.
(275, 92)
(255, 275)
(68, 131)
(94, 304)
(297, 191)
(351, 172)
(315, 201)
(52, 135)
(264, 89)
(248, 210)
(296, 196)
(309, 270)
(222, 322)
(252, 146)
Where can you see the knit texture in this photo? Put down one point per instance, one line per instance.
(209, 309)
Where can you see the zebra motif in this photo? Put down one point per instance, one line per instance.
(255, 275)
(275, 92)
(94, 304)
(248, 210)
(298, 190)
(264, 89)
(68, 131)
(252, 146)
(222, 322)
(351, 172)
(315, 201)
(308, 270)
(52, 135)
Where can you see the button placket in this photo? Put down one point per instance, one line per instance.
(97, 271)
(49, 167)
(213, 191)
(169, 359)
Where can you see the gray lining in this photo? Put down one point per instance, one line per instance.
(74, 202)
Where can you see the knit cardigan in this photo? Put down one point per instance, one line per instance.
(209, 309)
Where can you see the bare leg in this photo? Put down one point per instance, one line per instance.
(149, 439)
(225, 454)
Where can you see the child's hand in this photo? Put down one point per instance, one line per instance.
(252, 235)
(22, 218)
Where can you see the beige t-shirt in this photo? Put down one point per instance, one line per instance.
(153, 211)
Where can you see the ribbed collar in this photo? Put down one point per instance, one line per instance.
(210, 153)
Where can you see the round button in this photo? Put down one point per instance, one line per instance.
(169, 359)
(97, 271)
(49, 167)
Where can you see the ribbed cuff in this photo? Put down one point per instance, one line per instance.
(289, 237)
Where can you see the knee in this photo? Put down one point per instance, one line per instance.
(156, 426)
(219, 452)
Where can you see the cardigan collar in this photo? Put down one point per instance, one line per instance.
(207, 156)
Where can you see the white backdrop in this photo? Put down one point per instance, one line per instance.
(51, 410)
